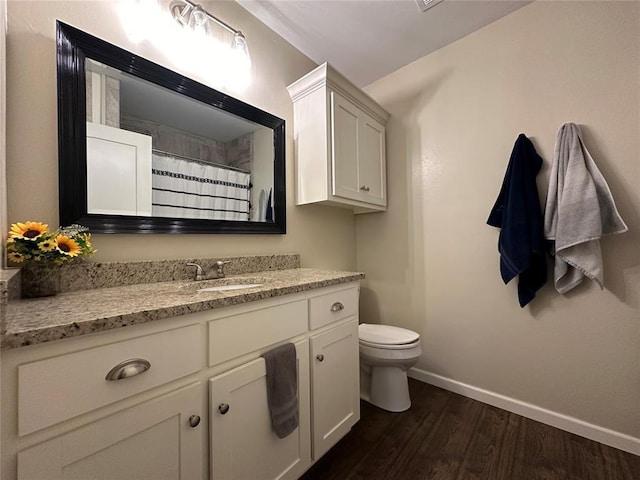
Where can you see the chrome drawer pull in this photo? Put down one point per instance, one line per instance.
(128, 368)
(336, 307)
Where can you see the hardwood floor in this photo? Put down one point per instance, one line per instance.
(450, 437)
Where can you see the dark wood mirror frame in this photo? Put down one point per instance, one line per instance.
(73, 47)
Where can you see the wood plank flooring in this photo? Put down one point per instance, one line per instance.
(450, 437)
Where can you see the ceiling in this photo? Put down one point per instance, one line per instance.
(368, 39)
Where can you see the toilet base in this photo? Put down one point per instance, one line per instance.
(387, 388)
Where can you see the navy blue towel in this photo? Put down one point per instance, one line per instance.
(518, 214)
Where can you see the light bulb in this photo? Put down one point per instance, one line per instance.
(240, 48)
(199, 22)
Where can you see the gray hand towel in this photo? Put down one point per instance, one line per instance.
(282, 388)
(580, 209)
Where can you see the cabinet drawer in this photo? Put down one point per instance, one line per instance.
(235, 335)
(331, 307)
(59, 388)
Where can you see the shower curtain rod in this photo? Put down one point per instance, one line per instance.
(191, 159)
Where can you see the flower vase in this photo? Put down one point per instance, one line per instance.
(40, 280)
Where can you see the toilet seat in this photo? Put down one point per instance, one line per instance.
(386, 336)
(383, 346)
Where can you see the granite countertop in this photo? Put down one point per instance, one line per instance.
(71, 314)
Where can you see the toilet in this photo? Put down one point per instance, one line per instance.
(386, 353)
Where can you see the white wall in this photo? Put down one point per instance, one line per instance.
(4, 226)
(432, 262)
(32, 133)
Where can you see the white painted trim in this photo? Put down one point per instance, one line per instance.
(564, 422)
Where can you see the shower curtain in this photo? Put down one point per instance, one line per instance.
(189, 189)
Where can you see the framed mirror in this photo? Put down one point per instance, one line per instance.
(143, 149)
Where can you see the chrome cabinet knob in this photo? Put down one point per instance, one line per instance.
(128, 368)
(194, 420)
(320, 357)
(223, 408)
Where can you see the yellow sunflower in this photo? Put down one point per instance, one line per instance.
(15, 257)
(47, 245)
(68, 246)
(28, 230)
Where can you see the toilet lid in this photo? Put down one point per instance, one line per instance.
(386, 334)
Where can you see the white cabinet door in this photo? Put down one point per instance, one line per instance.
(358, 153)
(150, 441)
(335, 380)
(118, 171)
(372, 160)
(243, 445)
(344, 148)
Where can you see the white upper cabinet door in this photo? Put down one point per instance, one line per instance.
(344, 133)
(372, 160)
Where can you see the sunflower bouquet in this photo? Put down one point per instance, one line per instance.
(33, 242)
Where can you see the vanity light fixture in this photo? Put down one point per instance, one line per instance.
(425, 5)
(192, 15)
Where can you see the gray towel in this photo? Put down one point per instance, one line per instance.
(282, 388)
(580, 209)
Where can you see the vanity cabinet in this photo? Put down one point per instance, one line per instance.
(340, 143)
(200, 411)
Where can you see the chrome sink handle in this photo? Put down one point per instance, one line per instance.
(219, 269)
(199, 275)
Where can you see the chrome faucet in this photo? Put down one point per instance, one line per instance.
(199, 275)
(216, 272)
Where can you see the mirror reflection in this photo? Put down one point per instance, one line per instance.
(154, 152)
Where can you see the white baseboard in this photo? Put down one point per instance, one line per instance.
(564, 422)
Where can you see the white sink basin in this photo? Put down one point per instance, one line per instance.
(224, 288)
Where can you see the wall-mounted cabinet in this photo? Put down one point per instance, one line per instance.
(340, 143)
